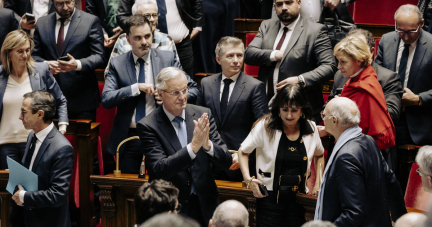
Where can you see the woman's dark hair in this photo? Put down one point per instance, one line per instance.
(290, 95)
(153, 198)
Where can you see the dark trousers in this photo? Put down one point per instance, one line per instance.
(285, 213)
(85, 115)
(184, 50)
(14, 150)
(194, 210)
(402, 133)
(131, 156)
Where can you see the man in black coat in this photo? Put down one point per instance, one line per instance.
(358, 188)
(8, 23)
(244, 103)
(50, 156)
(82, 43)
(181, 145)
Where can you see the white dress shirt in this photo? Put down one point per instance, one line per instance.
(40, 8)
(66, 28)
(290, 27)
(231, 86)
(150, 100)
(311, 9)
(189, 147)
(177, 29)
(41, 135)
(412, 49)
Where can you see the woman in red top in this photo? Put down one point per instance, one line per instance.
(363, 88)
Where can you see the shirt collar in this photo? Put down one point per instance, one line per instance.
(414, 44)
(358, 72)
(290, 26)
(234, 78)
(171, 116)
(146, 57)
(68, 19)
(42, 134)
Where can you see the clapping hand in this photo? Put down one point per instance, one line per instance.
(201, 134)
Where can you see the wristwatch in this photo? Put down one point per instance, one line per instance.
(301, 81)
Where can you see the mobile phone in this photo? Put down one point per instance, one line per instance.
(263, 189)
(64, 58)
(29, 16)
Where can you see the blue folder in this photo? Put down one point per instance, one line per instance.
(20, 175)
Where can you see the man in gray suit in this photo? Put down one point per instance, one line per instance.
(129, 86)
(390, 84)
(292, 50)
(406, 52)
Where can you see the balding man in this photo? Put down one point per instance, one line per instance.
(424, 160)
(357, 181)
(412, 220)
(230, 213)
(406, 52)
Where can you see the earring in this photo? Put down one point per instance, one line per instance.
(303, 116)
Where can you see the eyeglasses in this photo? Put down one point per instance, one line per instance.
(402, 33)
(421, 174)
(178, 208)
(323, 115)
(154, 15)
(183, 91)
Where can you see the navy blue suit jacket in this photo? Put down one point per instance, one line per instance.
(41, 80)
(360, 189)
(166, 159)
(418, 117)
(8, 24)
(84, 41)
(53, 164)
(117, 91)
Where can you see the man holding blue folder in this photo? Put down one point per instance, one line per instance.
(49, 155)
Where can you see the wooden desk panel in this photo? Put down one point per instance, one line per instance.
(117, 196)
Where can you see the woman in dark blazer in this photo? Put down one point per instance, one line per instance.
(20, 74)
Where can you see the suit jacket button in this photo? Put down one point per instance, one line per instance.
(186, 202)
(188, 183)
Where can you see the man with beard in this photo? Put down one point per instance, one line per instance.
(291, 49)
(129, 86)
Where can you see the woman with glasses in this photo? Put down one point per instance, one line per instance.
(363, 88)
(161, 41)
(20, 74)
(286, 141)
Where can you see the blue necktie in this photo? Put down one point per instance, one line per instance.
(403, 64)
(141, 104)
(182, 136)
(162, 24)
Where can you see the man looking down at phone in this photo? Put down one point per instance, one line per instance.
(78, 36)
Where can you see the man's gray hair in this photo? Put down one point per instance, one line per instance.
(230, 213)
(318, 223)
(424, 159)
(345, 110)
(225, 41)
(42, 100)
(410, 8)
(142, 2)
(167, 74)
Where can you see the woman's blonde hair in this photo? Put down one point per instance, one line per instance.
(355, 48)
(14, 40)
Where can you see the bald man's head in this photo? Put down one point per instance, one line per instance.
(411, 220)
(230, 213)
(345, 110)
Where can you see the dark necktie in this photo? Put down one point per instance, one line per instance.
(141, 104)
(162, 24)
(30, 152)
(403, 64)
(60, 37)
(270, 86)
(225, 94)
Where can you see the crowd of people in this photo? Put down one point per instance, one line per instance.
(265, 131)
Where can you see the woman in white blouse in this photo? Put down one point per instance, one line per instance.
(20, 74)
(285, 142)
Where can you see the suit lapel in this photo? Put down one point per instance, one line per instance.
(3, 84)
(272, 33)
(393, 52)
(235, 95)
(130, 65)
(35, 82)
(76, 19)
(294, 37)
(216, 97)
(155, 63)
(167, 129)
(44, 146)
(52, 34)
(190, 116)
(417, 60)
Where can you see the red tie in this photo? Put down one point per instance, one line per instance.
(60, 37)
(270, 89)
